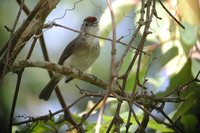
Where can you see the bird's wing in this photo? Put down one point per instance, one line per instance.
(67, 51)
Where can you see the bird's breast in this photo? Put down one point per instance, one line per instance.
(83, 56)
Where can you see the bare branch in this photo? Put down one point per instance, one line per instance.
(182, 26)
(67, 114)
(30, 26)
(75, 73)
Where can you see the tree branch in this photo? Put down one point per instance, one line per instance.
(75, 73)
(31, 25)
(61, 100)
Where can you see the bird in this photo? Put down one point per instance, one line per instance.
(80, 53)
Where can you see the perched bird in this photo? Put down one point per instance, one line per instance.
(80, 53)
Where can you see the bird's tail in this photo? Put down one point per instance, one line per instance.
(46, 92)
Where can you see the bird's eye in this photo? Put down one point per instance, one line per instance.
(86, 24)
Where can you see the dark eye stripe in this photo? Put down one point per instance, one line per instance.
(86, 24)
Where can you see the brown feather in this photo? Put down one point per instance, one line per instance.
(67, 51)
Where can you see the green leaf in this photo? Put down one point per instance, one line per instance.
(191, 104)
(170, 54)
(146, 59)
(152, 124)
(189, 11)
(195, 67)
(189, 122)
(158, 127)
(175, 64)
(41, 128)
(180, 78)
(189, 35)
(186, 106)
(90, 127)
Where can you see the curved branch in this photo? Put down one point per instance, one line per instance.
(72, 72)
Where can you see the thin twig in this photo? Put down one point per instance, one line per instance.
(182, 26)
(46, 57)
(29, 27)
(49, 25)
(8, 46)
(183, 87)
(61, 100)
(31, 49)
(44, 117)
(114, 73)
(19, 77)
(128, 123)
(19, 73)
(25, 8)
(117, 120)
(70, 9)
(155, 118)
